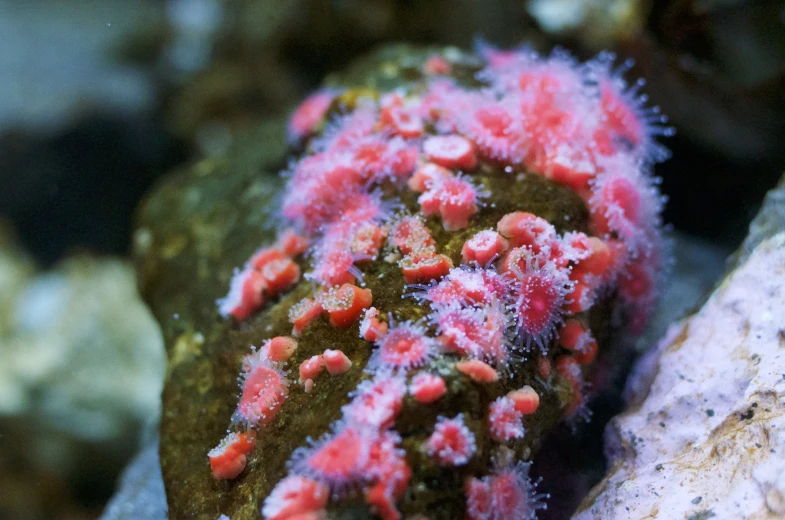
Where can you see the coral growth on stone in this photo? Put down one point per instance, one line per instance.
(517, 292)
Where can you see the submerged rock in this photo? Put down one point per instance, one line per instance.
(422, 386)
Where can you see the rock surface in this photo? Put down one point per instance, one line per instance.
(141, 489)
(706, 440)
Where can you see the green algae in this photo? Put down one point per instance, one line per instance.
(206, 220)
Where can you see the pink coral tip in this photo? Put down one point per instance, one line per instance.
(367, 240)
(477, 370)
(570, 333)
(336, 362)
(280, 348)
(504, 420)
(280, 275)
(436, 66)
(245, 294)
(292, 244)
(484, 247)
(424, 268)
(427, 388)
(478, 499)
(302, 313)
(427, 176)
(376, 403)
(600, 258)
(309, 114)
(311, 367)
(526, 229)
(228, 459)
(336, 459)
(264, 391)
(399, 119)
(295, 496)
(344, 304)
(450, 151)
(409, 234)
(454, 199)
(404, 346)
(451, 443)
(512, 494)
(526, 400)
(371, 327)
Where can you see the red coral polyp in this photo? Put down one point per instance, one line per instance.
(228, 459)
(345, 304)
(427, 388)
(484, 247)
(424, 266)
(335, 460)
(526, 229)
(452, 443)
(264, 390)
(504, 420)
(405, 346)
(508, 494)
(451, 151)
(377, 402)
(303, 313)
(453, 199)
(309, 114)
(294, 496)
(473, 332)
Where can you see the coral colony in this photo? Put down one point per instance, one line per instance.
(520, 294)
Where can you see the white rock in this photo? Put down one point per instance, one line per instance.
(708, 438)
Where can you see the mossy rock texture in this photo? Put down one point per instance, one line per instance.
(206, 220)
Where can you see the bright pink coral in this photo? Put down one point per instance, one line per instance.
(405, 346)
(349, 213)
(453, 199)
(507, 494)
(294, 496)
(504, 420)
(228, 459)
(345, 304)
(451, 443)
(371, 327)
(484, 247)
(309, 114)
(377, 402)
(265, 389)
(427, 388)
(335, 460)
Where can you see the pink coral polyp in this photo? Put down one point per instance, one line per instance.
(404, 346)
(451, 443)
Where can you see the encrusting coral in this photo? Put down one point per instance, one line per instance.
(468, 227)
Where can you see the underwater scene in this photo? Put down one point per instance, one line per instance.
(392, 259)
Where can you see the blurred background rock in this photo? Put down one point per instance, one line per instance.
(102, 97)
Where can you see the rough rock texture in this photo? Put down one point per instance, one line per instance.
(769, 221)
(141, 489)
(81, 371)
(706, 440)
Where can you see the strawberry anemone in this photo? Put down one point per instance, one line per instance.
(427, 189)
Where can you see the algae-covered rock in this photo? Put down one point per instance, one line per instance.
(427, 401)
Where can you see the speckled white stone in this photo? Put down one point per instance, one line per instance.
(707, 440)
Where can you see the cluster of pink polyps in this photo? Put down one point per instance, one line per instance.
(522, 289)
